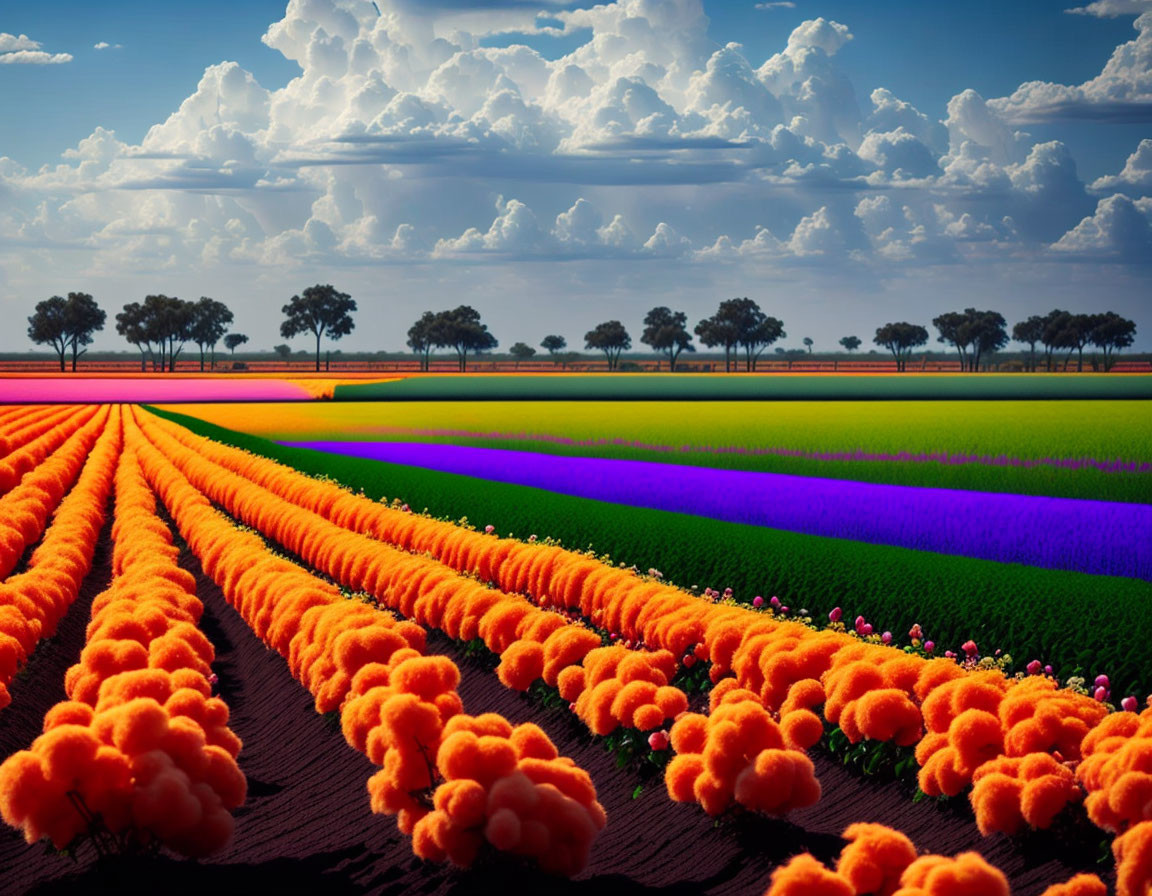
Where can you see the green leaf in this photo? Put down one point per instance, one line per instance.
(639, 790)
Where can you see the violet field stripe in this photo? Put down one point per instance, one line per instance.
(1116, 465)
(1100, 537)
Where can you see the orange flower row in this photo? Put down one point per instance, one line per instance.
(452, 780)
(1117, 771)
(33, 601)
(24, 510)
(20, 424)
(880, 861)
(31, 453)
(740, 754)
(870, 690)
(141, 744)
(533, 643)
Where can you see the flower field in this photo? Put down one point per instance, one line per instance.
(1072, 449)
(258, 656)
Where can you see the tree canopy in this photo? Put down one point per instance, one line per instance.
(210, 320)
(321, 310)
(462, 330)
(1029, 332)
(1110, 331)
(611, 338)
(554, 344)
(667, 331)
(158, 328)
(521, 351)
(66, 324)
(233, 340)
(422, 337)
(850, 343)
(900, 338)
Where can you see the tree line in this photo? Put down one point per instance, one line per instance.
(161, 326)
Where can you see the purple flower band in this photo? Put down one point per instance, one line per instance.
(1100, 537)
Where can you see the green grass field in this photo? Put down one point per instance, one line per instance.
(1081, 623)
(734, 431)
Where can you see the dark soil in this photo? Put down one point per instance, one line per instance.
(307, 827)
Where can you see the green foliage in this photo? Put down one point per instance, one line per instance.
(1094, 623)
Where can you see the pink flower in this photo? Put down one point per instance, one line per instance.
(886, 637)
(916, 632)
(1034, 667)
(775, 601)
(1102, 681)
(950, 654)
(1047, 670)
(969, 647)
(572, 707)
(835, 614)
(1129, 704)
(404, 508)
(658, 740)
(1101, 694)
(689, 660)
(784, 610)
(489, 529)
(929, 646)
(859, 622)
(866, 629)
(757, 601)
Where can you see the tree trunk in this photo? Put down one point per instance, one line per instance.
(318, 351)
(1080, 359)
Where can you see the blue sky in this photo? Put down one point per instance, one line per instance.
(556, 164)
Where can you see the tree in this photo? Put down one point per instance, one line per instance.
(421, 337)
(521, 352)
(233, 340)
(66, 324)
(48, 325)
(461, 329)
(900, 339)
(84, 317)
(988, 332)
(722, 328)
(1056, 331)
(807, 344)
(850, 343)
(666, 331)
(611, 338)
(1074, 333)
(759, 337)
(1111, 331)
(954, 329)
(973, 333)
(1030, 332)
(554, 345)
(284, 351)
(132, 324)
(168, 323)
(210, 320)
(319, 310)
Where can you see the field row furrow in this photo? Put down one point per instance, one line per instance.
(32, 602)
(455, 782)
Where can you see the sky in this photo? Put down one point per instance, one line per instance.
(558, 164)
